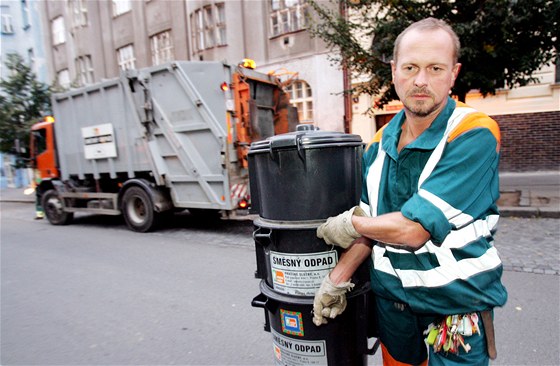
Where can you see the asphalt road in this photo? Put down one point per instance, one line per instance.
(94, 293)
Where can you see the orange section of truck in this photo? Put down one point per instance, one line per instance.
(43, 152)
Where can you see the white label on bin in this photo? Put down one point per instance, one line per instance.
(296, 352)
(300, 274)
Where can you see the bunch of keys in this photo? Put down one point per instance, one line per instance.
(448, 334)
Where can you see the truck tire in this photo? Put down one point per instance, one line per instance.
(52, 205)
(138, 210)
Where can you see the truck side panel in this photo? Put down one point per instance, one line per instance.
(93, 106)
(190, 132)
(168, 123)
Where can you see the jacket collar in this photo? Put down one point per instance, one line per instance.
(428, 140)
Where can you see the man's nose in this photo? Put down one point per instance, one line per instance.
(421, 78)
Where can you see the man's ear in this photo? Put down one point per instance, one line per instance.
(455, 72)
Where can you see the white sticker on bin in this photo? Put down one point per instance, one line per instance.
(296, 352)
(300, 274)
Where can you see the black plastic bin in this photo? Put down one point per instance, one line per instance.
(292, 260)
(305, 175)
(297, 341)
(297, 181)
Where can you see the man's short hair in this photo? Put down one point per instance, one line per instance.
(429, 24)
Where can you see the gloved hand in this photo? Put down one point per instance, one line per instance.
(338, 230)
(330, 300)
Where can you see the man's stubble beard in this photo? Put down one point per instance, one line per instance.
(420, 108)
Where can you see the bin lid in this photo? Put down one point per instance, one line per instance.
(306, 139)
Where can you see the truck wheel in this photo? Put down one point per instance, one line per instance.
(52, 205)
(138, 210)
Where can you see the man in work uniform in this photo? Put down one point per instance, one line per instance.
(426, 217)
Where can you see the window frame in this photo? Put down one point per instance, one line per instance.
(58, 29)
(288, 16)
(301, 97)
(7, 23)
(25, 15)
(84, 70)
(59, 79)
(208, 27)
(165, 53)
(78, 13)
(125, 57)
(121, 7)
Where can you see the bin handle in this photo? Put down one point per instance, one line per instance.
(259, 301)
(258, 235)
(300, 149)
(374, 348)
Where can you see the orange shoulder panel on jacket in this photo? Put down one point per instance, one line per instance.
(377, 136)
(476, 120)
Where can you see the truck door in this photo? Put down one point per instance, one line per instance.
(43, 148)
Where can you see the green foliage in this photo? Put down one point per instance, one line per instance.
(23, 102)
(502, 41)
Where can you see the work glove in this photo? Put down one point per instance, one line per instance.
(330, 300)
(338, 230)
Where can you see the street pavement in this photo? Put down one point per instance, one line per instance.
(527, 326)
(528, 236)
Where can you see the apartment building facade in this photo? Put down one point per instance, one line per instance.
(20, 32)
(90, 40)
(93, 40)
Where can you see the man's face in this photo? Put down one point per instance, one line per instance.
(424, 71)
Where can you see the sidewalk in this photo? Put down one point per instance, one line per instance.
(16, 195)
(531, 194)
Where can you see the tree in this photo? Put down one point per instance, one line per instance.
(23, 102)
(503, 42)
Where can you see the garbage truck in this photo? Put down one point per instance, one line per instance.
(155, 140)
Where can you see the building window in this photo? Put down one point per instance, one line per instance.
(58, 31)
(121, 7)
(197, 31)
(31, 58)
(288, 16)
(302, 98)
(162, 48)
(220, 24)
(84, 70)
(25, 14)
(125, 57)
(78, 11)
(7, 25)
(63, 78)
(208, 27)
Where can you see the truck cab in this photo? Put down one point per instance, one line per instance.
(43, 152)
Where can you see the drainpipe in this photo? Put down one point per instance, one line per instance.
(347, 85)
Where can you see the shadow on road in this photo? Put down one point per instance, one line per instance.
(176, 220)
